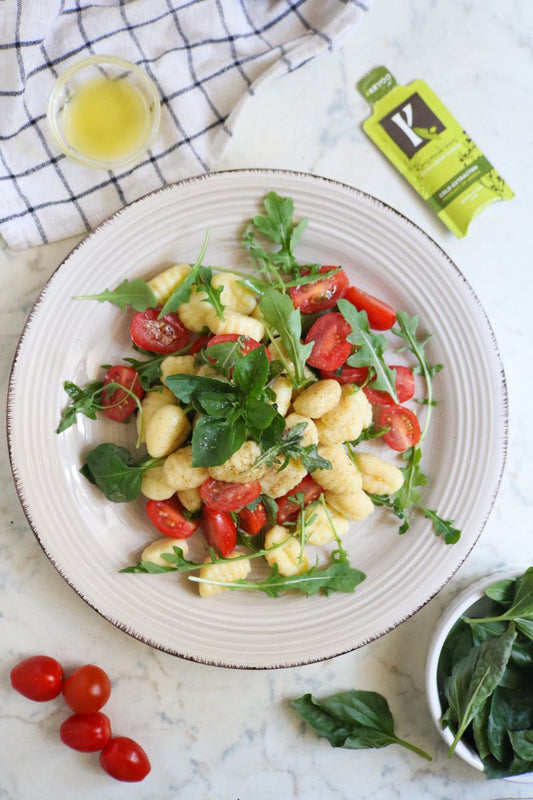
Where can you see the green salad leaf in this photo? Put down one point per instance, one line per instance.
(136, 294)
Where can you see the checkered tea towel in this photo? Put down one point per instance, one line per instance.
(206, 57)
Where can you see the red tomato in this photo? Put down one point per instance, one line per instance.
(125, 760)
(164, 335)
(248, 344)
(287, 509)
(404, 383)
(220, 530)
(320, 294)
(404, 427)
(200, 343)
(346, 374)
(86, 732)
(330, 349)
(37, 678)
(118, 404)
(168, 518)
(226, 496)
(87, 689)
(381, 316)
(252, 521)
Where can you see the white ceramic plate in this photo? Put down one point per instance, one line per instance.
(88, 539)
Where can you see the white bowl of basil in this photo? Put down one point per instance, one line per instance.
(479, 676)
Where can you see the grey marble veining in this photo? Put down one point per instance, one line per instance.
(220, 734)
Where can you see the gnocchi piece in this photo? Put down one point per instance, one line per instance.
(379, 476)
(154, 485)
(180, 473)
(289, 557)
(276, 484)
(318, 399)
(191, 499)
(239, 468)
(320, 528)
(234, 322)
(154, 551)
(310, 433)
(357, 506)
(347, 420)
(152, 402)
(234, 295)
(167, 430)
(165, 282)
(207, 371)
(283, 391)
(194, 313)
(343, 477)
(228, 572)
(177, 365)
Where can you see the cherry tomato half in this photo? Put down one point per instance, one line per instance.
(330, 349)
(404, 383)
(287, 508)
(87, 733)
(252, 521)
(168, 518)
(164, 335)
(87, 689)
(200, 343)
(380, 315)
(220, 530)
(404, 427)
(320, 294)
(118, 404)
(346, 374)
(226, 496)
(38, 678)
(125, 760)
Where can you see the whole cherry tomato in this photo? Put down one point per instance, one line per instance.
(125, 760)
(38, 678)
(87, 689)
(87, 733)
(119, 404)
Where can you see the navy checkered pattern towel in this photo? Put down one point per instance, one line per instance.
(206, 57)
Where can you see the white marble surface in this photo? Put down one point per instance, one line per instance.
(217, 734)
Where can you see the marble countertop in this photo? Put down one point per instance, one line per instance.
(221, 734)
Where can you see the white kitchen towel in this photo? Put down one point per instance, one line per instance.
(206, 57)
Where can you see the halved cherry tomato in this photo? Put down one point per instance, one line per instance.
(87, 733)
(226, 496)
(346, 374)
(380, 315)
(38, 678)
(404, 383)
(330, 349)
(164, 335)
(87, 689)
(404, 427)
(252, 521)
(125, 760)
(320, 294)
(220, 530)
(200, 343)
(287, 508)
(248, 344)
(118, 404)
(168, 518)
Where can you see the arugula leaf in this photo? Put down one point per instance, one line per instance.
(279, 227)
(200, 277)
(287, 445)
(136, 294)
(85, 400)
(442, 527)
(370, 348)
(112, 469)
(281, 316)
(355, 719)
(176, 563)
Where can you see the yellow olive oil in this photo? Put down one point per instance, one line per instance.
(106, 119)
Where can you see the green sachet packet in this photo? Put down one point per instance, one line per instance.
(429, 147)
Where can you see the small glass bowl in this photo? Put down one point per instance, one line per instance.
(459, 607)
(112, 68)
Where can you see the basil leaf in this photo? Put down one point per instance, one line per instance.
(355, 720)
(136, 294)
(216, 404)
(251, 372)
(522, 742)
(280, 315)
(112, 469)
(187, 387)
(259, 415)
(215, 440)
